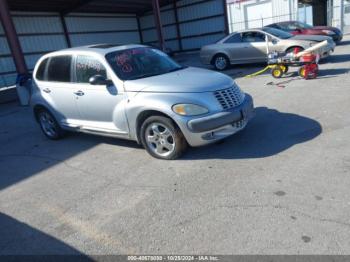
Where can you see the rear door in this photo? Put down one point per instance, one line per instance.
(57, 89)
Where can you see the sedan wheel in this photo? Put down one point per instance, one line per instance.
(221, 62)
(162, 138)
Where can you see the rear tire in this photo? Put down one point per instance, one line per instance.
(221, 62)
(162, 138)
(49, 125)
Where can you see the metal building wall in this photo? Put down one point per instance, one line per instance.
(339, 15)
(200, 22)
(281, 10)
(86, 29)
(40, 33)
(148, 29)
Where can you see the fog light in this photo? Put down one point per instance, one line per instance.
(208, 136)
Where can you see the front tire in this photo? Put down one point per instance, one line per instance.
(221, 62)
(162, 138)
(49, 125)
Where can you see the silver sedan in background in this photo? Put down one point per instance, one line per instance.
(251, 46)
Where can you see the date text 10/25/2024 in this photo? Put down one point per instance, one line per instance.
(172, 258)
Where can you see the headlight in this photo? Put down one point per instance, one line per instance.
(189, 109)
(328, 32)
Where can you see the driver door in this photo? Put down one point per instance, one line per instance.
(100, 106)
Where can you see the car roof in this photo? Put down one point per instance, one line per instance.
(284, 22)
(101, 49)
(247, 30)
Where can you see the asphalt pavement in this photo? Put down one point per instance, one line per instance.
(281, 186)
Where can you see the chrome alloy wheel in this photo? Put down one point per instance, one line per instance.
(48, 124)
(160, 139)
(220, 63)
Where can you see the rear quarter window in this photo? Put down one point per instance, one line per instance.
(40, 73)
(236, 38)
(59, 69)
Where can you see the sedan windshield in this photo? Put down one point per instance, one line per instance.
(303, 25)
(277, 33)
(140, 62)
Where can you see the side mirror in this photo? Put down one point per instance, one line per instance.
(274, 41)
(100, 80)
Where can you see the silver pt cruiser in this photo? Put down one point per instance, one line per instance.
(138, 93)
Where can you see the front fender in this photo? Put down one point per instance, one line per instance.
(162, 102)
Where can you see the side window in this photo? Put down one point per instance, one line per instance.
(292, 26)
(273, 26)
(40, 73)
(59, 69)
(253, 37)
(284, 27)
(87, 67)
(236, 38)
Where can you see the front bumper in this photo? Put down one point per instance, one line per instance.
(209, 129)
(337, 38)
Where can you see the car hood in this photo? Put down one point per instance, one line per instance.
(316, 38)
(187, 80)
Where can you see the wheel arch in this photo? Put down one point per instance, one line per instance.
(37, 108)
(217, 54)
(142, 116)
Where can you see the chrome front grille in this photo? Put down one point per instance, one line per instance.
(230, 97)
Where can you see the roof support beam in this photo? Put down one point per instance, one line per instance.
(12, 38)
(65, 31)
(224, 6)
(158, 23)
(178, 31)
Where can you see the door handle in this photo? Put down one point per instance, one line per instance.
(79, 93)
(47, 90)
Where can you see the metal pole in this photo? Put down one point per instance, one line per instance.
(12, 38)
(65, 31)
(158, 23)
(342, 15)
(139, 29)
(224, 4)
(178, 31)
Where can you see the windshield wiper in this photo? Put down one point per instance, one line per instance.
(155, 74)
(176, 69)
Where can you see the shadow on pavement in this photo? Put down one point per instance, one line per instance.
(336, 59)
(333, 71)
(19, 239)
(344, 42)
(269, 133)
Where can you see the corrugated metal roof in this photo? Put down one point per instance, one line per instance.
(91, 6)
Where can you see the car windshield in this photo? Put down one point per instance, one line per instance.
(277, 33)
(140, 62)
(303, 25)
